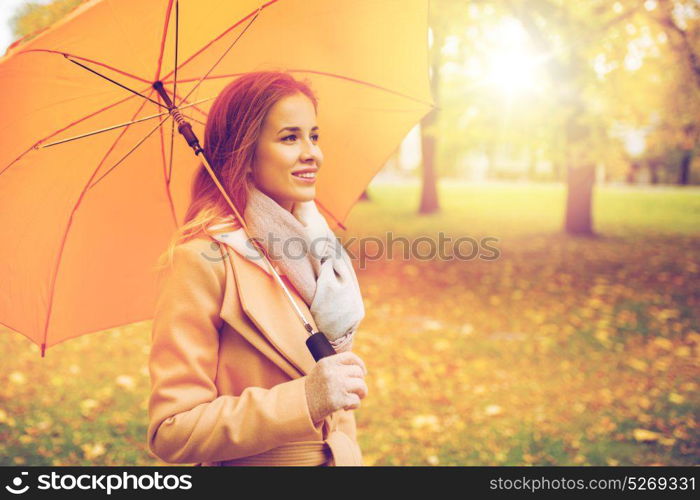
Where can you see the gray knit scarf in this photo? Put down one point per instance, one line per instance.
(309, 254)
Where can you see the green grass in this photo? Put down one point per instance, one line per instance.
(515, 209)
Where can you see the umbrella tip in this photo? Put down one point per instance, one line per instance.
(43, 350)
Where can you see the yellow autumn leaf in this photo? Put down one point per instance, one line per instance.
(682, 351)
(93, 450)
(432, 325)
(663, 343)
(126, 382)
(662, 364)
(638, 364)
(87, 407)
(466, 329)
(44, 424)
(427, 422)
(644, 402)
(667, 441)
(493, 410)
(603, 336)
(676, 398)
(689, 386)
(645, 435)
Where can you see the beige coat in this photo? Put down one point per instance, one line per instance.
(228, 365)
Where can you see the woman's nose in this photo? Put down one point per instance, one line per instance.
(311, 151)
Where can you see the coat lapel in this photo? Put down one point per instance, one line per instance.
(268, 308)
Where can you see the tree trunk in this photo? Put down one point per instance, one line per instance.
(654, 171)
(532, 167)
(631, 177)
(684, 174)
(580, 171)
(429, 197)
(579, 195)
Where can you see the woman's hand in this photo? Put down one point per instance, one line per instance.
(336, 382)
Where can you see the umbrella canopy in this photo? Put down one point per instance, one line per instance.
(92, 182)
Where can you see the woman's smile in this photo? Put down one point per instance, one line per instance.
(288, 147)
(305, 175)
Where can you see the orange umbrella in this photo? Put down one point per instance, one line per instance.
(92, 181)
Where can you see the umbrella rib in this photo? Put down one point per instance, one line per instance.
(134, 148)
(172, 124)
(172, 149)
(177, 42)
(79, 120)
(115, 82)
(66, 54)
(166, 175)
(362, 82)
(204, 76)
(69, 225)
(190, 117)
(106, 129)
(192, 104)
(172, 127)
(113, 127)
(225, 32)
(332, 75)
(162, 40)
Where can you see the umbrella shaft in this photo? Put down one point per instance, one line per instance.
(182, 125)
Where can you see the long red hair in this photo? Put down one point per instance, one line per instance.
(232, 130)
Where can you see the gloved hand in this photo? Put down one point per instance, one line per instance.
(336, 382)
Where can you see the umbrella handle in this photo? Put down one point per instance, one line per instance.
(319, 346)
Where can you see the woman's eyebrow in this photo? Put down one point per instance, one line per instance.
(295, 129)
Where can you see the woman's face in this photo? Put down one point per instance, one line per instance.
(288, 145)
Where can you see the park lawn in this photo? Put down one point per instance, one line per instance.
(559, 351)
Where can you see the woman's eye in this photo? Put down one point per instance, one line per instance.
(293, 137)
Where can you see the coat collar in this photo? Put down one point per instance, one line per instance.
(266, 305)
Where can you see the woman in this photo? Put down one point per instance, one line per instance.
(232, 380)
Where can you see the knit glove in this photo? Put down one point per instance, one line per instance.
(335, 382)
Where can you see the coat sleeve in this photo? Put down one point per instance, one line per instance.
(189, 421)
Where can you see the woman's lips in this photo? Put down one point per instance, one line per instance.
(307, 178)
